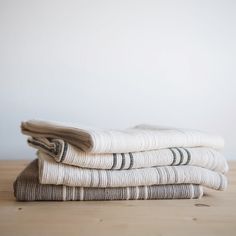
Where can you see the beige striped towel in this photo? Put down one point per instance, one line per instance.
(139, 138)
(28, 188)
(52, 172)
(66, 153)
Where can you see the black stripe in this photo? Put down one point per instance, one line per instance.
(189, 156)
(174, 156)
(99, 177)
(181, 156)
(114, 161)
(123, 161)
(159, 175)
(64, 152)
(58, 147)
(131, 160)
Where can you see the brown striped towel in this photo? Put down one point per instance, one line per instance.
(66, 153)
(28, 188)
(139, 138)
(52, 172)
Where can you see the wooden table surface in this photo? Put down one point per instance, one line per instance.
(214, 214)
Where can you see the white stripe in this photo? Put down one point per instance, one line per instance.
(64, 193)
(137, 193)
(73, 193)
(128, 194)
(192, 191)
(145, 192)
(81, 194)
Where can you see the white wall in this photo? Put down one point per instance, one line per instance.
(116, 64)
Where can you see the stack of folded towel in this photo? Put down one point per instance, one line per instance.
(143, 162)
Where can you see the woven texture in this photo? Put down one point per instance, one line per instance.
(139, 138)
(52, 172)
(142, 162)
(28, 188)
(66, 153)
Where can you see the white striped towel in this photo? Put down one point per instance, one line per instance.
(52, 172)
(139, 138)
(66, 153)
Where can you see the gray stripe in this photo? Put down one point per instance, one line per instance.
(174, 156)
(123, 161)
(176, 175)
(189, 156)
(114, 161)
(167, 173)
(92, 179)
(149, 192)
(194, 190)
(140, 196)
(181, 156)
(221, 182)
(131, 160)
(108, 178)
(99, 177)
(43, 145)
(64, 152)
(159, 175)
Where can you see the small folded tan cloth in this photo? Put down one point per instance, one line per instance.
(28, 188)
(139, 138)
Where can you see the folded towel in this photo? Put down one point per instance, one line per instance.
(66, 153)
(52, 172)
(28, 188)
(139, 138)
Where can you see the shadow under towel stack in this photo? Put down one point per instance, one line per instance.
(143, 162)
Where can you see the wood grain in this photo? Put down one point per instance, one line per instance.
(214, 214)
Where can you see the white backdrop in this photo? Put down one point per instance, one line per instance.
(116, 64)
